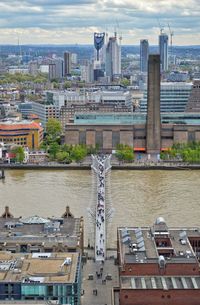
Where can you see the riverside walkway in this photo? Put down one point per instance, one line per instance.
(100, 165)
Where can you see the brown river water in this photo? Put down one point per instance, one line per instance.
(138, 197)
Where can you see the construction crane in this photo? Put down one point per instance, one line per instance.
(120, 37)
(160, 27)
(171, 37)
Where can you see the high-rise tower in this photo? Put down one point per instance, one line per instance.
(113, 57)
(163, 51)
(153, 126)
(144, 53)
(67, 63)
(98, 42)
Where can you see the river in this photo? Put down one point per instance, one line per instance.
(138, 197)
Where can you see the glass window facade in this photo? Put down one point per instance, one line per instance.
(173, 97)
(135, 118)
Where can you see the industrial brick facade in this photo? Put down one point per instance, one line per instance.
(108, 136)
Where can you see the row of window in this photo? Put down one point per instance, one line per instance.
(13, 140)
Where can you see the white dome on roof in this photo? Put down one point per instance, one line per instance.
(34, 220)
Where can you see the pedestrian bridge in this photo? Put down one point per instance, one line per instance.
(101, 165)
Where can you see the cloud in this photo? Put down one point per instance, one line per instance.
(72, 17)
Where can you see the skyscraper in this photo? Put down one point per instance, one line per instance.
(56, 69)
(144, 54)
(113, 57)
(163, 51)
(67, 63)
(98, 42)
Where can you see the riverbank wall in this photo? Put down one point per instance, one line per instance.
(82, 166)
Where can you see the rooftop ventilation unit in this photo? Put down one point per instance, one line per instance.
(161, 261)
(126, 239)
(160, 221)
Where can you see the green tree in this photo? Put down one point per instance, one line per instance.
(53, 150)
(125, 153)
(67, 85)
(19, 153)
(63, 156)
(53, 129)
(78, 153)
(125, 82)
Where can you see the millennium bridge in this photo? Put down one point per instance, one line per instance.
(101, 211)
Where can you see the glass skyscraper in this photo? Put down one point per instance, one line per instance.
(113, 57)
(144, 54)
(163, 51)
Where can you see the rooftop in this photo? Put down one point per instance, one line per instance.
(112, 118)
(17, 125)
(160, 282)
(40, 230)
(38, 267)
(148, 244)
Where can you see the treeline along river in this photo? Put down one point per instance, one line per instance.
(138, 197)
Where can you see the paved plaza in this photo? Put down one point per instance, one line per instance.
(97, 291)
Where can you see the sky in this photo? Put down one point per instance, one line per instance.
(75, 21)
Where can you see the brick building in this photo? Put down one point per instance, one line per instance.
(151, 132)
(159, 265)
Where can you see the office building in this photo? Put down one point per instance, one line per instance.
(74, 58)
(163, 51)
(56, 69)
(53, 277)
(33, 68)
(144, 54)
(45, 111)
(113, 58)
(158, 265)
(193, 104)
(67, 63)
(173, 97)
(25, 108)
(87, 73)
(24, 133)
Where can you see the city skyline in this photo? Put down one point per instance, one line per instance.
(75, 21)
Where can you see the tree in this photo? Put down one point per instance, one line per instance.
(19, 153)
(125, 82)
(125, 153)
(54, 149)
(63, 156)
(78, 153)
(67, 84)
(53, 129)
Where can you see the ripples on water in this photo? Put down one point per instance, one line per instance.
(138, 197)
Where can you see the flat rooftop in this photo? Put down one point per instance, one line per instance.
(40, 230)
(146, 244)
(160, 282)
(38, 267)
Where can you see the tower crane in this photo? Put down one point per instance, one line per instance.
(171, 37)
(160, 27)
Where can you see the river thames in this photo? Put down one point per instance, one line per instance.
(138, 197)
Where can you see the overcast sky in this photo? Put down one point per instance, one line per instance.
(75, 21)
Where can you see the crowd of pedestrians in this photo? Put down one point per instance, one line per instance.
(100, 210)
